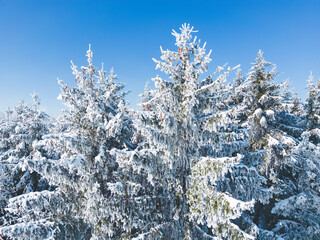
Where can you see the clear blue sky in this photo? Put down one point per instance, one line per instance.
(39, 38)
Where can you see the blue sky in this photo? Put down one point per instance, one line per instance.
(39, 38)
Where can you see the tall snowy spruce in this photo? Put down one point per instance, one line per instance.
(187, 149)
(89, 199)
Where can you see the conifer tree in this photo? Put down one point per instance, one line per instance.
(17, 136)
(312, 109)
(299, 212)
(274, 134)
(89, 196)
(204, 158)
(183, 147)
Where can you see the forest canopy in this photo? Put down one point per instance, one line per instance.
(208, 155)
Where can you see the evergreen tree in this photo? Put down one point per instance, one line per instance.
(89, 199)
(203, 158)
(17, 136)
(269, 126)
(184, 150)
(312, 109)
(299, 213)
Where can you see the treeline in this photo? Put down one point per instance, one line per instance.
(204, 158)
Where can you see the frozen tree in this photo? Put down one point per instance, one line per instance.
(296, 108)
(312, 109)
(17, 137)
(18, 133)
(298, 210)
(184, 148)
(146, 97)
(312, 100)
(89, 199)
(272, 133)
(244, 180)
(204, 158)
(299, 213)
(16, 143)
(262, 98)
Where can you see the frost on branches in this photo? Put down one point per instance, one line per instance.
(22, 128)
(206, 157)
(300, 212)
(187, 148)
(89, 199)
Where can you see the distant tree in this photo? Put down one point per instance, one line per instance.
(312, 109)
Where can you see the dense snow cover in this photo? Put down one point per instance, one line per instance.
(214, 157)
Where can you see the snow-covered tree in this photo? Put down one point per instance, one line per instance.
(273, 132)
(262, 98)
(264, 101)
(229, 123)
(184, 148)
(19, 132)
(312, 109)
(299, 213)
(204, 158)
(89, 199)
(17, 137)
(312, 106)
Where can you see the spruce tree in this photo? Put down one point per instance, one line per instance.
(23, 127)
(184, 150)
(299, 212)
(88, 199)
(275, 132)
